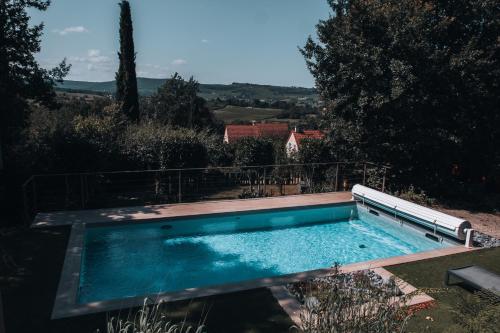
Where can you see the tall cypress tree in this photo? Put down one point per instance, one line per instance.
(126, 79)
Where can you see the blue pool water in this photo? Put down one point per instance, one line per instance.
(137, 260)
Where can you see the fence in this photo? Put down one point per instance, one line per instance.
(72, 191)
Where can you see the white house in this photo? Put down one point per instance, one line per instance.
(295, 138)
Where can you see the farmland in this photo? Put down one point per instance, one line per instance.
(232, 113)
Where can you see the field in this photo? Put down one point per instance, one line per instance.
(233, 113)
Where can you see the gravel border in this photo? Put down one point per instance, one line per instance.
(484, 240)
(345, 281)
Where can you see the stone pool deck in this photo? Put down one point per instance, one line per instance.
(139, 213)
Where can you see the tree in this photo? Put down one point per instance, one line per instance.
(21, 77)
(177, 104)
(253, 151)
(412, 83)
(153, 146)
(126, 79)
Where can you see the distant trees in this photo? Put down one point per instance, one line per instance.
(177, 103)
(414, 84)
(126, 79)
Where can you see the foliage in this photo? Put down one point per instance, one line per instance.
(126, 80)
(416, 196)
(253, 151)
(218, 154)
(66, 140)
(80, 137)
(314, 151)
(151, 319)
(176, 103)
(150, 146)
(251, 194)
(21, 77)
(413, 84)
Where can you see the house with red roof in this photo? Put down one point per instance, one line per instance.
(271, 130)
(294, 140)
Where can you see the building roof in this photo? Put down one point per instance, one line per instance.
(235, 132)
(307, 134)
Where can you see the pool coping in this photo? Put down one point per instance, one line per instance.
(66, 304)
(152, 212)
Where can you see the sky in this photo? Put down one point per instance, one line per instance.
(216, 41)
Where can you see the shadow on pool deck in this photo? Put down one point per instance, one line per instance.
(29, 281)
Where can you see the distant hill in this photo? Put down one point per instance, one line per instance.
(207, 91)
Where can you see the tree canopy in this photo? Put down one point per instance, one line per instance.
(177, 103)
(412, 83)
(21, 77)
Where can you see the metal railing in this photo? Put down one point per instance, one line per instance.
(92, 190)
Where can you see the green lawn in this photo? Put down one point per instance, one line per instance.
(232, 113)
(429, 274)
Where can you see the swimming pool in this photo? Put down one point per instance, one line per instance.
(171, 255)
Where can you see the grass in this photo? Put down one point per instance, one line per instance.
(429, 276)
(233, 113)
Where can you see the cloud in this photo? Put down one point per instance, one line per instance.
(179, 62)
(93, 61)
(94, 53)
(152, 70)
(70, 30)
(205, 41)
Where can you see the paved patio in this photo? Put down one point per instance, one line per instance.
(185, 209)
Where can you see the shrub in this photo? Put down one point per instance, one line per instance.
(149, 146)
(251, 194)
(417, 196)
(253, 151)
(314, 151)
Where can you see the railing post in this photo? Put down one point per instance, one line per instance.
(66, 203)
(364, 174)
(311, 185)
(258, 181)
(82, 192)
(35, 197)
(26, 208)
(265, 181)
(337, 178)
(383, 180)
(180, 187)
